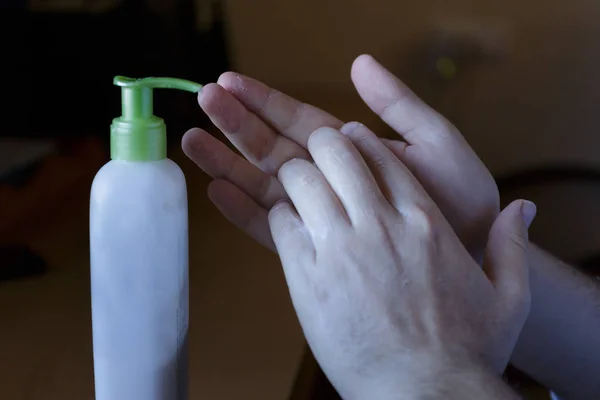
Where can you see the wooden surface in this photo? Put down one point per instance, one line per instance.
(245, 340)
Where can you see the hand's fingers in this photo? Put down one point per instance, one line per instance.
(220, 162)
(398, 147)
(292, 240)
(290, 117)
(242, 211)
(256, 140)
(394, 179)
(396, 104)
(440, 159)
(317, 204)
(505, 260)
(347, 173)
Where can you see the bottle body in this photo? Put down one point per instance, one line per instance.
(139, 281)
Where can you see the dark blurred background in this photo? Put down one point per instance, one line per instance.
(58, 61)
(518, 78)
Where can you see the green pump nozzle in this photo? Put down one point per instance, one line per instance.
(139, 135)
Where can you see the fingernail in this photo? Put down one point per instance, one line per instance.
(368, 57)
(281, 203)
(528, 211)
(349, 128)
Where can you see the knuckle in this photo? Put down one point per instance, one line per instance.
(262, 188)
(517, 239)
(422, 222)
(308, 180)
(378, 162)
(359, 137)
(267, 100)
(297, 117)
(517, 292)
(263, 157)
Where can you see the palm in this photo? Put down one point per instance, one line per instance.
(270, 128)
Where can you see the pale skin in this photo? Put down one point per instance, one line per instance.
(391, 303)
(561, 338)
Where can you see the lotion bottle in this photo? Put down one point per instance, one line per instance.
(139, 256)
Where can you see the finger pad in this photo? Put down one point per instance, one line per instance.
(223, 108)
(376, 85)
(247, 90)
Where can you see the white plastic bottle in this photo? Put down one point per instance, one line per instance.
(139, 256)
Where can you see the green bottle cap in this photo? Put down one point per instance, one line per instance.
(139, 135)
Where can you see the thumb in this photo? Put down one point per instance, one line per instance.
(506, 261)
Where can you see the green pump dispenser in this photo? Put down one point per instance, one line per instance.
(139, 135)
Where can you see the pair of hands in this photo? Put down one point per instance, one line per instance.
(379, 279)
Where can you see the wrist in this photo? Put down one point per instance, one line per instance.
(454, 382)
(472, 383)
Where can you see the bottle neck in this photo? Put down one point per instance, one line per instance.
(138, 139)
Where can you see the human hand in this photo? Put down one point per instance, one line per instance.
(389, 299)
(270, 128)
